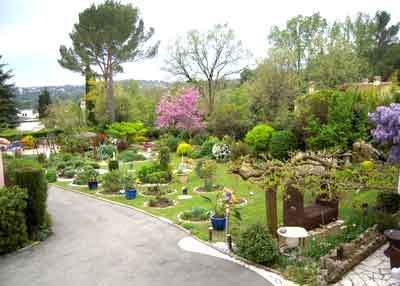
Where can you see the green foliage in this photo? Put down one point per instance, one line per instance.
(184, 149)
(113, 165)
(34, 181)
(390, 202)
(367, 165)
(51, 175)
(259, 137)
(239, 149)
(85, 175)
(164, 158)
(282, 142)
(206, 147)
(131, 155)
(112, 181)
(154, 174)
(334, 118)
(257, 244)
(195, 214)
(106, 36)
(68, 173)
(43, 103)
(14, 165)
(132, 131)
(12, 219)
(106, 151)
(172, 142)
(8, 110)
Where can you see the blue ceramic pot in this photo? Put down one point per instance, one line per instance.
(130, 194)
(92, 185)
(218, 223)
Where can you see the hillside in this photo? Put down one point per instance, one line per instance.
(27, 97)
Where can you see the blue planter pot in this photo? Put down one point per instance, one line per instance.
(93, 185)
(130, 194)
(218, 223)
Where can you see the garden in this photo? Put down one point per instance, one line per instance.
(293, 167)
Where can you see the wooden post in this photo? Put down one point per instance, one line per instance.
(210, 233)
(271, 211)
(229, 241)
(1, 170)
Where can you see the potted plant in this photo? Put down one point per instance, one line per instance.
(92, 183)
(129, 186)
(217, 215)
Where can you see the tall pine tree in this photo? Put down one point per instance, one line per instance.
(8, 109)
(43, 103)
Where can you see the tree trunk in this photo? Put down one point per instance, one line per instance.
(110, 97)
(271, 211)
(210, 97)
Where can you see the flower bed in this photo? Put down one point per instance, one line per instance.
(332, 269)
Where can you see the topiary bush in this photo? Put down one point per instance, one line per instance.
(281, 143)
(164, 158)
(113, 165)
(13, 230)
(256, 244)
(259, 137)
(51, 175)
(34, 181)
(184, 149)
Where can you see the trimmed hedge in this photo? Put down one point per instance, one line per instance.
(13, 230)
(34, 181)
(259, 137)
(14, 165)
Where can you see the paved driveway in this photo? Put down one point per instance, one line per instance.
(97, 243)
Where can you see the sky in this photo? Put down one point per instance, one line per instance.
(31, 31)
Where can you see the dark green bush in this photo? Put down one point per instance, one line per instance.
(206, 147)
(389, 202)
(127, 155)
(95, 165)
(14, 165)
(34, 181)
(113, 165)
(112, 181)
(13, 230)
(164, 158)
(51, 175)
(257, 244)
(199, 139)
(172, 143)
(41, 158)
(84, 175)
(68, 173)
(281, 143)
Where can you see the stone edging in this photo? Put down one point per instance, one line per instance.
(170, 222)
(332, 269)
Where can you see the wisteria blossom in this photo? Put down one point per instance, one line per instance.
(387, 121)
(180, 111)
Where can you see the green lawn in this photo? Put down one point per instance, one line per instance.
(253, 212)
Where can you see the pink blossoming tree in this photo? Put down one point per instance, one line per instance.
(180, 111)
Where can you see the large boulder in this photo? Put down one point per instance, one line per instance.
(363, 151)
(246, 170)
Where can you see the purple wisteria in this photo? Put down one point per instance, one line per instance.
(387, 121)
(180, 111)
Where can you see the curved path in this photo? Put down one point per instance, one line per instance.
(97, 243)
